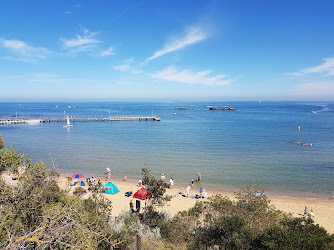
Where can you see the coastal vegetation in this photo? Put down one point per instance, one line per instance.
(36, 214)
(2, 142)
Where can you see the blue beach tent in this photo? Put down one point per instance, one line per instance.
(110, 188)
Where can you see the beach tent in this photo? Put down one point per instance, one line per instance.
(110, 188)
(77, 176)
(80, 184)
(142, 194)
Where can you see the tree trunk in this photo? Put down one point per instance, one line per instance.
(138, 242)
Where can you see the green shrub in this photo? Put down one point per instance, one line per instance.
(2, 142)
(35, 213)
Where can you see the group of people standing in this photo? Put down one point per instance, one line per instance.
(171, 180)
(202, 191)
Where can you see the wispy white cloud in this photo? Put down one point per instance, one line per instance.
(127, 67)
(124, 67)
(192, 36)
(81, 43)
(67, 12)
(327, 67)
(137, 71)
(23, 51)
(129, 60)
(186, 76)
(108, 52)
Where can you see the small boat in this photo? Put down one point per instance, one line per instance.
(314, 112)
(174, 113)
(231, 109)
(68, 124)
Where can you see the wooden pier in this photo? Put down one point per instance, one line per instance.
(12, 121)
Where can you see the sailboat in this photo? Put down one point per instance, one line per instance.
(68, 124)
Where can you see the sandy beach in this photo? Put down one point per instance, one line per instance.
(323, 210)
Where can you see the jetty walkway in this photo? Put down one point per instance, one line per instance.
(10, 121)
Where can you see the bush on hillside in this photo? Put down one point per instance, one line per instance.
(35, 213)
(2, 142)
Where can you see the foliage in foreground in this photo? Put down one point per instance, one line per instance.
(249, 223)
(2, 142)
(36, 214)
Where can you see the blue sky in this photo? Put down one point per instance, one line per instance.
(166, 50)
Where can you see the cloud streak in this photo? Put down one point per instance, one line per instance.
(81, 43)
(327, 67)
(193, 36)
(188, 77)
(124, 67)
(128, 67)
(24, 51)
(108, 52)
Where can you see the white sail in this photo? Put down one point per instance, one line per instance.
(68, 124)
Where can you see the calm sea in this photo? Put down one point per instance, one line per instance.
(256, 144)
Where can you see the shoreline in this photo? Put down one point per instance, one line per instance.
(323, 209)
(279, 194)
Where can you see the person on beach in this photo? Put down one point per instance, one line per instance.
(124, 178)
(108, 172)
(182, 192)
(311, 215)
(305, 210)
(204, 194)
(131, 206)
(198, 179)
(163, 176)
(171, 183)
(140, 183)
(188, 190)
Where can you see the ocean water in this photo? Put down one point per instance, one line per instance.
(254, 145)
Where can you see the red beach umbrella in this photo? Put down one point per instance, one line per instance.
(142, 194)
(77, 176)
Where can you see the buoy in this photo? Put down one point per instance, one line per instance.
(298, 127)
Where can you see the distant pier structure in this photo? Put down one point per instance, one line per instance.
(12, 121)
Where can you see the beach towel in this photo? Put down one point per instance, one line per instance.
(195, 196)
